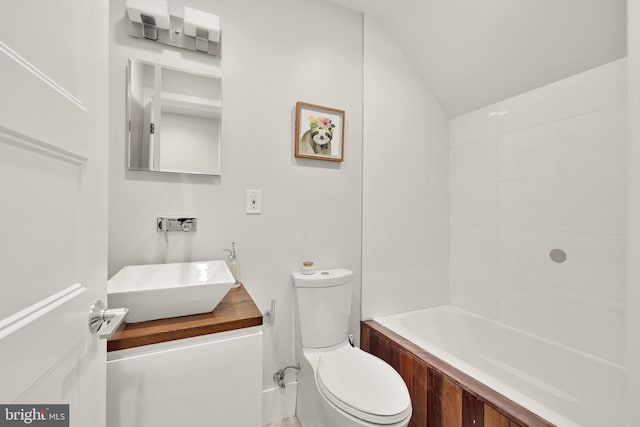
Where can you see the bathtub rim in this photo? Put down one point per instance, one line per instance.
(522, 399)
(459, 310)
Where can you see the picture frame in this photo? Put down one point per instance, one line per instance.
(319, 132)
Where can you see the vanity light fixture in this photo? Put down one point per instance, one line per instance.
(197, 31)
(149, 15)
(205, 27)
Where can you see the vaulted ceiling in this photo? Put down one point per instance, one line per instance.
(472, 53)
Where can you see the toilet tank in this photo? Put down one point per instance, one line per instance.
(324, 306)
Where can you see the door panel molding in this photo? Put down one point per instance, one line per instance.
(17, 139)
(58, 324)
(24, 63)
(13, 322)
(43, 187)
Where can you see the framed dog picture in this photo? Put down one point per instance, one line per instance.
(319, 132)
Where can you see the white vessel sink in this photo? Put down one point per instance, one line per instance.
(158, 291)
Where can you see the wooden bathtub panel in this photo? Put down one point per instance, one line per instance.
(384, 349)
(422, 361)
(379, 345)
(434, 398)
(365, 336)
(402, 361)
(419, 394)
(451, 404)
(472, 410)
(493, 418)
(373, 341)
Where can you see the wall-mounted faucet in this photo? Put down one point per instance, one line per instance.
(184, 225)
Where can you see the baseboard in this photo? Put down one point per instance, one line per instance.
(278, 404)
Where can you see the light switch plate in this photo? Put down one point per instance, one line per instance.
(254, 201)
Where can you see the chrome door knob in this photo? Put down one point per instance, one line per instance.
(105, 321)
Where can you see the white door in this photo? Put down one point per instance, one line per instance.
(53, 203)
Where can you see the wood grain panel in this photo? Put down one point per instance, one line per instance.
(513, 424)
(384, 349)
(236, 311)
(419, 395)
(472, 410)
(402, 361)
(365, 332)
(493, 418)
(451, 404)
(434, 398)
(373, 342)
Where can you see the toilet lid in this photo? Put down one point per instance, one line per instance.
(363, 386)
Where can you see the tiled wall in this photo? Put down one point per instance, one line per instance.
(544, 170)
(405, 242)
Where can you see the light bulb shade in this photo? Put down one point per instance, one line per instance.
(196, 19)
(158, 9)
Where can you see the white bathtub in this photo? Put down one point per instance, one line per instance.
(565, 386)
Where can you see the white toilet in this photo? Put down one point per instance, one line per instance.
(340, 385)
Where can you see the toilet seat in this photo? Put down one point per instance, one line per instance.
(363, 386)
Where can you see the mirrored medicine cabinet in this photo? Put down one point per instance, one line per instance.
(174, 120)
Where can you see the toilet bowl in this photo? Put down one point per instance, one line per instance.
(340, 385)
(345, 386)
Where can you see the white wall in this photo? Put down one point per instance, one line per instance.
(405, 221)
(273, 54)
(633, 247)
(544, 170)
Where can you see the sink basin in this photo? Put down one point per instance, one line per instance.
(158, 291)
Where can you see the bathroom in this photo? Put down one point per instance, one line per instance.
(467, 216)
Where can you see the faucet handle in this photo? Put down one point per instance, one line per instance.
(185, 225)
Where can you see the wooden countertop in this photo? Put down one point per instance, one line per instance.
(236, 311)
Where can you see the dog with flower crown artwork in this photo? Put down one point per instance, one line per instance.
(317, 140)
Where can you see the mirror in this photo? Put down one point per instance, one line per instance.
(174, 120)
